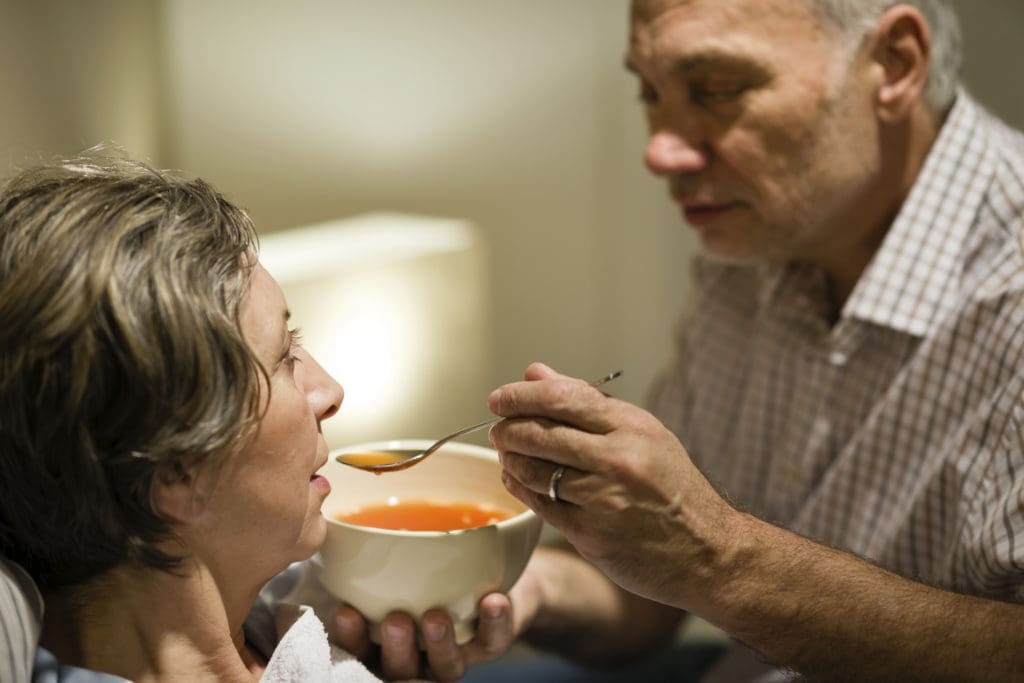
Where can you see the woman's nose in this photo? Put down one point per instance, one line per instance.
(325, 394)
(669, 153)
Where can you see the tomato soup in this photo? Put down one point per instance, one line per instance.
(375, 458)
(424, 515)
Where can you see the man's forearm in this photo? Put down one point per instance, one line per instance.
(589, 619)
(836, 617)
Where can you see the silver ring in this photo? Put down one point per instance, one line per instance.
(556, 476)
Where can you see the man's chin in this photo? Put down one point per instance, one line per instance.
(728, 253)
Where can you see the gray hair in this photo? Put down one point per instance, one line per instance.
(851, 20)
(121, 357)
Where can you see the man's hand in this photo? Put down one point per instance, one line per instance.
(502, 619)
(630, 500)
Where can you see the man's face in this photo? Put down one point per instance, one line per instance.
(763, 128)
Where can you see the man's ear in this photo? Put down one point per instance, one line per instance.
(903, 43)
(175, 494)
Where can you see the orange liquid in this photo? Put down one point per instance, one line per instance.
(421, 515)
(364, 459)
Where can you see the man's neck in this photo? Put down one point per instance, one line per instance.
(904, 150)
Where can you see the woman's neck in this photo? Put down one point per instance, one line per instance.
(148, 625)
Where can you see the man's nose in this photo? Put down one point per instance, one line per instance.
(669, 152)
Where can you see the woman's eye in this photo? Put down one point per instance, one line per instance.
(294, 344)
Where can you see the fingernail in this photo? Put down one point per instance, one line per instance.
(395, 634)
(344, 622)
(434, 631)
(493, 612)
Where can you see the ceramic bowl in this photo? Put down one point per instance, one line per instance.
(378, 571)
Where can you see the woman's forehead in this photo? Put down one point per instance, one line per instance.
(264, 313)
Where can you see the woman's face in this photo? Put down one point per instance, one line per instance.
(264, 511)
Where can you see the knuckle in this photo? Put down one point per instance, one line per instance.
(510, 403)
(493, 648)
(562, 394)
(446, 665)
(526, 469)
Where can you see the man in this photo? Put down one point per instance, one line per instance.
(850, 382)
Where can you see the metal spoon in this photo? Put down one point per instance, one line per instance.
(392, 460)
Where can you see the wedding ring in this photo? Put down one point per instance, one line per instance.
(556, 476)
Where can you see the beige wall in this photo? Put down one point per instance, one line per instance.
(994, 54)
(75, 74)
(514, 114)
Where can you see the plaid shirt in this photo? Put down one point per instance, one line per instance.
(895, 433)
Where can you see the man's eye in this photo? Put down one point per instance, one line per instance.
(647, 94)
(717, 92)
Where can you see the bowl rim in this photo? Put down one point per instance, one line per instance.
(464, 448)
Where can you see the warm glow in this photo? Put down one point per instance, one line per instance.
(385, 302)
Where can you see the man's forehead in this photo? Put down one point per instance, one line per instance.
(648, 10)
(675, 27)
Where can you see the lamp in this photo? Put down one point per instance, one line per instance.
(395, 307)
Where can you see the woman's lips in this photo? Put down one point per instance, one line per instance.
(320, 483)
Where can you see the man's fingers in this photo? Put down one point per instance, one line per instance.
(445, 658)
(400, 657)
(558, 398)
(537, 371)
(548, 442)
(494, 634)
(350, 632)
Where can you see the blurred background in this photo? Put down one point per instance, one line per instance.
(471, 170)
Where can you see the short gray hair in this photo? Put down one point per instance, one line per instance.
(851, 20)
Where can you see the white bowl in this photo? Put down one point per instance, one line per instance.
(378, 571)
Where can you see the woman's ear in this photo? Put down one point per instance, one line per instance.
(175, 494)
(903, 51)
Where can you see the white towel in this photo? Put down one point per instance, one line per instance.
(303, 654)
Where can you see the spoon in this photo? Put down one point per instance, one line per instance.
(392, 460)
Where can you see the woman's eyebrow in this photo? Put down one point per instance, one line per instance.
(286, 343)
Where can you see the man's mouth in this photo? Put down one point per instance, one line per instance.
(700, 213)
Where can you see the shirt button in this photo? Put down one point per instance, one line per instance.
(838, 358)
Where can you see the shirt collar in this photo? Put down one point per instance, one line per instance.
(914, 278)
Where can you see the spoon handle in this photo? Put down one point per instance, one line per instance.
(495, 420)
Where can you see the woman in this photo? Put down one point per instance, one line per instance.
(159, 428)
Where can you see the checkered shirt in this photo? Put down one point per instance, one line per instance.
(896, 432)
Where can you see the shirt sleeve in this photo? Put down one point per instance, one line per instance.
(21, 618)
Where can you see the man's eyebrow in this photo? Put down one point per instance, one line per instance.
(686, 64)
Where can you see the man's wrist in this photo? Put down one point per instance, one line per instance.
(726, 584)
